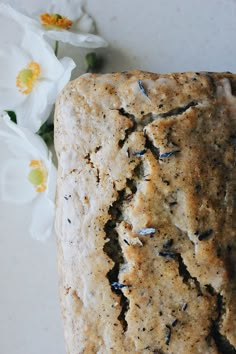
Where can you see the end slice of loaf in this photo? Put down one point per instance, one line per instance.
(146, 218)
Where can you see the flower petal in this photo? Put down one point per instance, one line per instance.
(15, 187)
(21, 142)
(42, 223)
(43, 54)
(13, 30)
(34, 111)
(68, 64)
(69, 8)
(84, 24)
(12, 59)
(10, 99)
(51, 183)
(78, 39)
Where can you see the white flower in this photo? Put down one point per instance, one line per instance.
(27, 174)
(66, 22)
(31, 76)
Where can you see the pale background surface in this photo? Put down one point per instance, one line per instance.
(153, 35)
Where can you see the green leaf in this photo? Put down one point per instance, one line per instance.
(47, 133)
(12, 116)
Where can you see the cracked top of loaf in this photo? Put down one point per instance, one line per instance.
(146, 213)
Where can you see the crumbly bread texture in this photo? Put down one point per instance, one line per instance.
(146, 216)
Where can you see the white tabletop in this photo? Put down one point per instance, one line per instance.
(153, 35)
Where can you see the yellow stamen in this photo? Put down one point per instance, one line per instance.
(26, 78)
(55, 21)
(38, 175)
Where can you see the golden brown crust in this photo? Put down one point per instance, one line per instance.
(146, 213)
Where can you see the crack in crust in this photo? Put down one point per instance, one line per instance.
(113, 249)
(221, 341)
(178, 110)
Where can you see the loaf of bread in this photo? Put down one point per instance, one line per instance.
(146, 213)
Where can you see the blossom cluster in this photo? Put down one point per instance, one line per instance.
(31, 77)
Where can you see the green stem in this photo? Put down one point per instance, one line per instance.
(56, 48)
